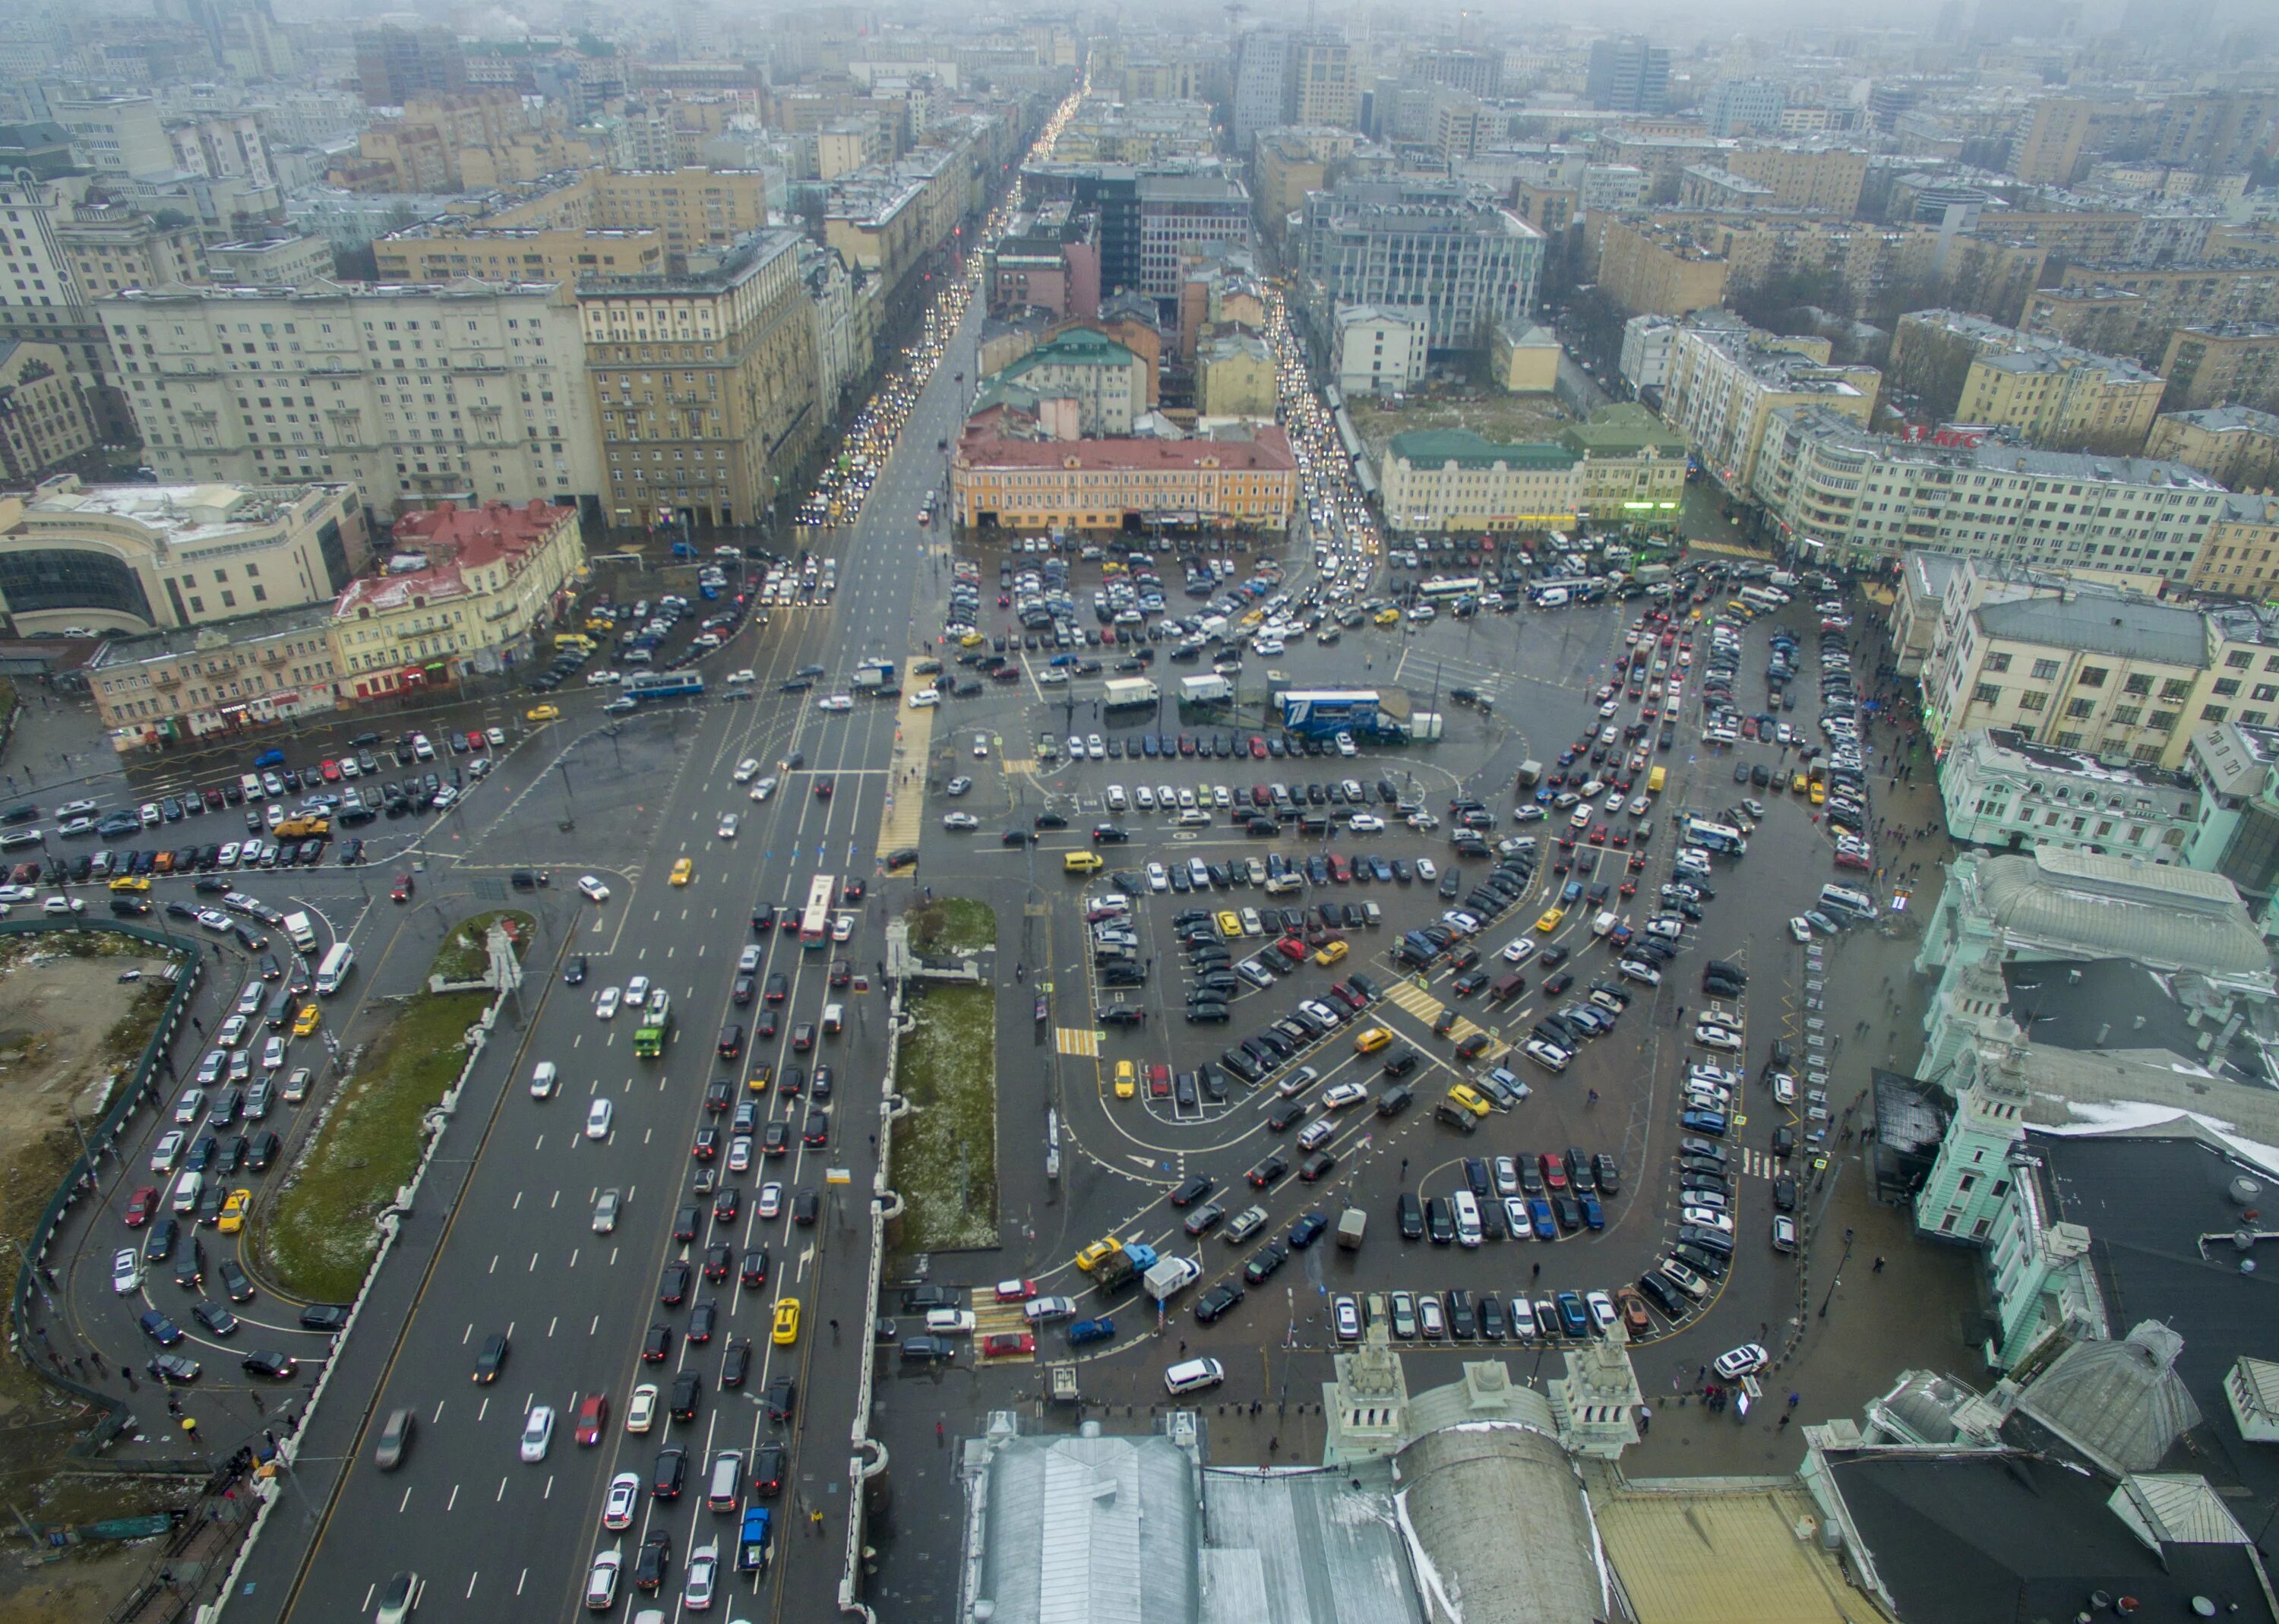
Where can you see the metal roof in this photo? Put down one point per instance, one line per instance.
(2098, 906)
(2121, 1404)
(2125, 628)
(1499, 1526)
(1091, 1530)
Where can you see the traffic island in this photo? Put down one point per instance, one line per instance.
(945, 1143)
(318, 1240)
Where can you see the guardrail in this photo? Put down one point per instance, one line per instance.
(96, 1142)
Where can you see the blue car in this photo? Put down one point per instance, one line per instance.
(1091, 1330)
(1539, 1218)
(1711, 1123)
(1594, 1216)
(159, 1328)
(1572, 1320)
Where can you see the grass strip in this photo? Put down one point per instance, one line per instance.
(945, 1147)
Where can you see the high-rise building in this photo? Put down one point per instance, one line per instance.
(472, 391)
(1629, 75)
(704, 384)
(1324, 89)
(42, 300)
(1745, 107)
(394, 64)
(1262, 72)
(1435, 250)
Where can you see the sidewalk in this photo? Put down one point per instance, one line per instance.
(58, 750)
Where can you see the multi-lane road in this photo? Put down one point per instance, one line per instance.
(487, 1533)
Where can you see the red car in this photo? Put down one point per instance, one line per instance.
(331, 771)
(1159, 1081)
(1006, 1345)
(401, 891)
(1553, 1170)
(593, 1419)
(141, 1204)
(1016, 1290)
(475, 740)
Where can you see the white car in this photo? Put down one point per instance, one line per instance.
(747, 769)
(924, 698)
(1713, 1037)
(949, 1321)
(1602, 1310)
(602, 679)
(1159, 878)
(1345, 1094)
(1366, 822)
(842, 928)
(1547, 1055)
(637, 992)
(703, 1570)
(1580, 817)
(640, 1408)
(1667, 926)
(598, 1120)
(168, 1150)
(602, 1578)
(1427, 870)
(729, 821)
(1095, 747)
(1735, 1363)
(1639, 971)
(1800, 928)
(272, 1055)
(541, 1080)
(764, 788)
(592, 889)
(497, 735)
(837, 701)
(1705, 1218)
(769, 1204)
(960, 821)
(125, 1271)
(739, 1153)
(1518, 952)
(980, 746)
(624, 1504)
(537, 1433)
(749, 960)
(605, 1003)
(606, 1208)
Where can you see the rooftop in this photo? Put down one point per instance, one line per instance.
(2227, 420)
(2080, 903)
(174, 641)
(1437, 448)
(1705, 1552)
(2118, 776)
(452, 541)
(2103, 1003)
(1263, 449)
(2127, 628)
(170, 516)
(2235, 760)
(1622, 429)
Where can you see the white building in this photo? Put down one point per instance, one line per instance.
(2001, 789)
(1379, 351)
(473, 391)
(1648, 343)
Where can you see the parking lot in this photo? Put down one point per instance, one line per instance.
(1224, 1035)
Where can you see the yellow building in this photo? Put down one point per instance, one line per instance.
(1827, 179)
(1523, 358)
(693, 207)
(1646, 269)
(1442, 480)
(495, 576)
(704, 384)
(1235, 377)
(1248, 482)
(2241, 554)
(2064, 398)
(2233, 445)
(1633, 467)
(204, 682)
(518, 254)
(1727, 380)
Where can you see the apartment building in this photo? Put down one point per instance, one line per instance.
(1966, 369)
(693, 207)
(1830, 485)
(111, 247)
(2114, 673)
(1243, 481)
(519, 253)
(1727, 380)
(2236, 445)
(494, 577)
(470, 391)
(2222, 363)
(1440, 479)
(1235, 377)
(1633, 468)
(2241, 554)
(1377, 350)
(1648, 343)
(45, 423)
(132, 558)
(1649, 270)
(2000, 788)
(42, 300)
(1804, 175)
(1108, 382)
(1457, 261)
(270, 261)
(1657, 260)
(703, 384)
(181, 682)
(2187, 294)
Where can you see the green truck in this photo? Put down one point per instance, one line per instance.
(655, 1023)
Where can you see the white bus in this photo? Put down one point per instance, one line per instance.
(1448, 586)
(339, 959)
(1764, 597)
(814, 924)
(1715, 836)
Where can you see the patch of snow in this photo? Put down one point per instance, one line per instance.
(1427, 1575)
(2099, 1117)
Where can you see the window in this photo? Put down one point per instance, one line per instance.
(2215, 713)
(2140, 685)
(1997, 662)
(2176, 688)
(2093, 676)
(2079, 709)
(1987, 694)
(2045, 670)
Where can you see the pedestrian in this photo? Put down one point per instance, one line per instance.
(1785, 1419)
(1274, 1445)
(1183, 1347)
(128, 1372)
(1537, 1274)
(259, 1408)
(1702, 1375)
(815, 1520)
(1879, 1266)
(939, 1438)
(1791, 1400)
(200, 1025)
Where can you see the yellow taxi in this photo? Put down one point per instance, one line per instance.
(683, 869)
(1090, 1257)
(1388, 617)
(305, 1022)
(130, 882)
(601, 623)
(1373, 1039)
(786, 1331)
(1127, 1079)
(233, 1212)
(971, 639)
(1819, 791)
(1463, 1094)
(1550, 920)
(1330, 952)
(762, 1075)
(1230, 923)
(1798, 783)
(1082, 862)
(541, 713)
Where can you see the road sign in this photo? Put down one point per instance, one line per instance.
(837, 1175)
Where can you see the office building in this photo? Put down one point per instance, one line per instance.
(1628, 75)
(1377, 351)
(395, 64)
(45, 423)
(1457, 261)
(705, 385)
(1745, 107)
(43, 302)
(1727, 380)
(1441, 480)
(1185, 217)
(471, 391)
(131, 558)
(1262, 74)
(179, 684)
(1841, 493)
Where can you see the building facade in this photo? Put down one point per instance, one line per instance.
(705, 385)
(132, 558)
(414, 394)
(270, 261)
(2001, 789)
(488, 580)
(2241, 554)
(1235, 377)
(1460, 264)
(45, 425)
(1377, 351)
(1444, 479)
(2226, 364)
(1107, 382)
(1726, 382)
(208, 682)
(2236, 445)
(1245, 482)
(1633, 468)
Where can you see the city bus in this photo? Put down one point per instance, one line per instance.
(1715, 836)
(338, 961)
(1448, 586)
(663, 685)
(814, 923)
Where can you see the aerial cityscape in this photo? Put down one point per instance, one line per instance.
(1728, 1075)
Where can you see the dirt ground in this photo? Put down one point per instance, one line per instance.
(56, 1016)
(1504, 419)
(84, 1585)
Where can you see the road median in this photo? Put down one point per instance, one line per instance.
(946, 1146)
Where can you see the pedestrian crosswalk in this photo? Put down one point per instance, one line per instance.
(1077, 1040)
(902, 820)
(1409, 996)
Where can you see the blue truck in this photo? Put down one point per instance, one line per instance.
(1319, 712)
(752, 1542)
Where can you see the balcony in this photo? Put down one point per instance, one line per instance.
(167, 678)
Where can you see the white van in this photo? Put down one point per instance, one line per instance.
(187, 1191)
(1554, 597)
(250, 783)
(1192, 1376)
(1857, 903)
(1468, 1232)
